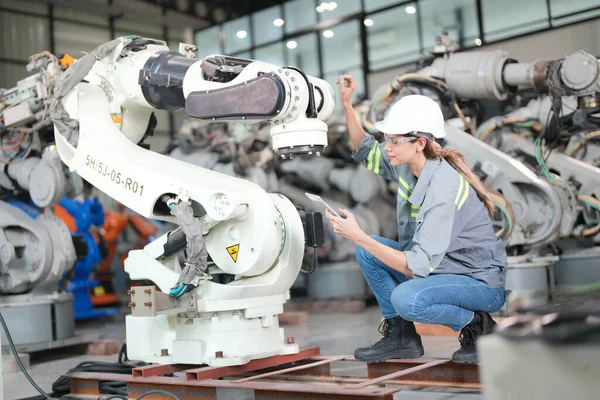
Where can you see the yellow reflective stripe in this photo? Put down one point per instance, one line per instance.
(416, 207)
(402, 194)
(403, 183)
(430, 269)
(460, 188)
(378, 158)
(370, 164)
(414, 215)
(465, 195)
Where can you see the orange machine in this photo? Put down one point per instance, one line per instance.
(115, 223)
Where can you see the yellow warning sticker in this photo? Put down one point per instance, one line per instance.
(99, 291)
(233, 252)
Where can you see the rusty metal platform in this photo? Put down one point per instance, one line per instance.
(306, 375)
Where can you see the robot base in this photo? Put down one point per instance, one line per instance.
(38, 319)
(215, 338)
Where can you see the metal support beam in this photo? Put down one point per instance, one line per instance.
(364, 47)
(254, 365)
(419, 28)
(480, 21)
(305, 375)
(447, 374)
(51, 38)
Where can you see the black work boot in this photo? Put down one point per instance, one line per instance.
(482, 324)
(400, 341)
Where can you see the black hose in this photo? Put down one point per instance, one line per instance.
(18, 359)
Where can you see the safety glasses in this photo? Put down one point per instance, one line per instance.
(399, 140)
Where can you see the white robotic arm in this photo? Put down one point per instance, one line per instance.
(256, 237)
(139, 75)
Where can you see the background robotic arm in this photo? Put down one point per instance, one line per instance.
(541, 208)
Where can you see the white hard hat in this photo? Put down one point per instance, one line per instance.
(413, 114)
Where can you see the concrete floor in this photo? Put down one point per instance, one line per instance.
(336, 334)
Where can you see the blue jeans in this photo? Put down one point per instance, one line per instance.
(443, 299)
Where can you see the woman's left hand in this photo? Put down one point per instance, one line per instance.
(346, 227)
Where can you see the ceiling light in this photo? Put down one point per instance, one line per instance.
(325, 6)
(278, 22)
(368, 22)
(478, 42)
(328, 34)
(291, 45)
(410, 10)
(241, 34)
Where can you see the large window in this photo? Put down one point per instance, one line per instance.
(331, 10)
(341, 47)
(299, 14)
(507, 18)
(207, 41)
(457, 17)
(303, 52)
(244, 54)
(374, 5)
(569, 11)
(268, 25)
(360, 92)
(325, 38)
(342, 54)
(237, 35)
(392, 38)
(272, 54)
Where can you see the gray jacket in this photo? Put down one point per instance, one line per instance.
(443, 227)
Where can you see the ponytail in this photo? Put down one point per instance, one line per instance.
(434, 151)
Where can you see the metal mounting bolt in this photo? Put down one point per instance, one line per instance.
(131, 304)
(297, 98)
(148, 291)
(287, 72)
(291, 340)
(130, 292)
(148, 304)
(295, 87)
(292, 79)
